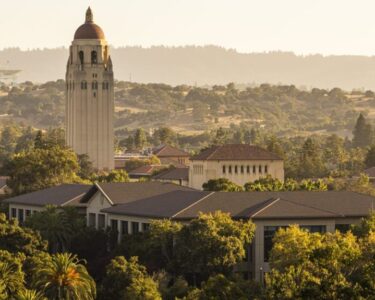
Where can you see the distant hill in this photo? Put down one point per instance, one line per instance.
(208, 65)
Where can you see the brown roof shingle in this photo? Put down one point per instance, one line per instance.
(236, 152)
(169, 151)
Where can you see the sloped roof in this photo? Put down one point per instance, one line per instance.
(58, 195)
(370, 172)
(169, 151)
(284, 205)
(3, 181)
(126, 192)
(145, 170)
(174, 174)
(236, 152)
(159, 206)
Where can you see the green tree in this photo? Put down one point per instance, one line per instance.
(362, 133)
(11, 275)
(370, 157)
(222, 287)
(221, 184)
(140, 138)
(17, 239)
(66, 278)
(265, 184)
(322, 266)
(41, 168)
(86, 169)
(126, 279)
(57, 225)
(311, 163)
(113, 176)
(212, 243)
(25, 294)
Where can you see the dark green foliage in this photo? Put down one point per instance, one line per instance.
(370, 157)
(362, 133)
(221, 184)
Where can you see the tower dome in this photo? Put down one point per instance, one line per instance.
(89, 30)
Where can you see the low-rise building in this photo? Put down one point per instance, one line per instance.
(22, 206)
(169, 155)
(131, 207)
(178, 176)
(239, 163)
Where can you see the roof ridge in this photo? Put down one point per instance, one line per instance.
(213, 152)
(272, 202)
(191, 205)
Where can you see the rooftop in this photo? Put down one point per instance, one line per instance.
(89, 30)
(236, 152)
(169, 151)
(60, 195)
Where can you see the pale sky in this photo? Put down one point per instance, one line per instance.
(301, 26)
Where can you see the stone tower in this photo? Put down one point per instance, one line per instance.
(89, 96)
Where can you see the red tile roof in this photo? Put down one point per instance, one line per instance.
(236, 152)
(169, 151)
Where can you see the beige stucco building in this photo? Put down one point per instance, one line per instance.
(90, 96)
(239, 163)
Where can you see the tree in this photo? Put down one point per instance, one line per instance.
(17, 239)
(57, 225)
(322, 266)
(66, 278)
(126, 279)
(311, 163)
(265, 184)
(113, 176)
(11, 274)
(86, 169)
(225, 287)
(221, 184)
(140, 138)
(370, 157)
(25, 294)
(41, 168)
(362, 133)
(212, 243)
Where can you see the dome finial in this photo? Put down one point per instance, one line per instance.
(89, 18)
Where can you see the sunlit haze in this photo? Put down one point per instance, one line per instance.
(301, 26)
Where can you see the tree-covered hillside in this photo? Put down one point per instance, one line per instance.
(283, 110)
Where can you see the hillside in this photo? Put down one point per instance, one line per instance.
(284, 110)
(206, 66)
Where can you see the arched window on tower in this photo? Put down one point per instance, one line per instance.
(81, 57)
(94, 85)
(94, 57)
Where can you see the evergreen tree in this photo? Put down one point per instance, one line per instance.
(140, 138)
(370, 157)
(362, 133)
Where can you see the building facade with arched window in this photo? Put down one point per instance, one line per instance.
(90, 106)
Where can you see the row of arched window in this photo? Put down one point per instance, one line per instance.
(94, 57)
(245, 169)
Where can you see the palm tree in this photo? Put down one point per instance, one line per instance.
(11, 279)
(29, 295)
(66, 278)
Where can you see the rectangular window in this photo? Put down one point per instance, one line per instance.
(314, 228)
(145, 226)
(260, 169)
(242, 170)
(135, 227)
(14, 213)
(254, 169)
(343, 228)
(235, 169)
(224, 170)
(114, 224)
(101, 221)
(124, 227)
(20, 215)
(266, 169)
(230, 169)
(28, 212)
(248, 169)
(92, 220)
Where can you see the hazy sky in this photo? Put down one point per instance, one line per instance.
(301, 26)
